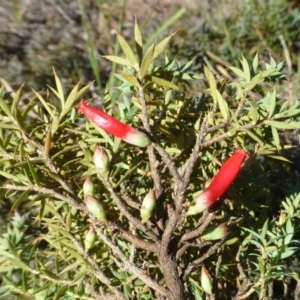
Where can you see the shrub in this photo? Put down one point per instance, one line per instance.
(121, 229)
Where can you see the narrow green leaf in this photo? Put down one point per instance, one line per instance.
(279, 125)
(72, 97)
(17, 98)
(287, 113)
(83, 90)
(118, 60)
(19, 201)
(255, 137)
(295, 124)
(138, 40)
(128, 52)
(267, 73)
(147, 60)
(187, 65)
(253, 83)
(8, 126)
(284, 106)
(33, 173)
(238, 72)
(222, 105)
(272, 103)
(59, 89)
(279, 157)
(44, 286)
(264, 230)
(10, 176)
(246, 68)
(18, 118)
(160, 47)
(255, 62)
(6, 110)
(164, 83)
(210, 77)
(276, 137)
(44, 104)
(55, 124)
(131, 79)
(49, 274)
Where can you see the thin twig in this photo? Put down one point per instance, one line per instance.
(130, 266)
(198, 261)
(96, 269)
(133, 238)
(119, 202)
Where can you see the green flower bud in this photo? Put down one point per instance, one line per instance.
(215, 233)
(101, 160)
(90, 239)
(206, 281)
(95, 207)
(148, 205)
(88, 187)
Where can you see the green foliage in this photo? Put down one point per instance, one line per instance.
(46, 152)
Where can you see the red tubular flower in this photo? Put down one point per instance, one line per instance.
(113, 126)
(220, 183)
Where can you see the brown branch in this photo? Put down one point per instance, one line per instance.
(133, 220)
(129, 200)
(198, 261)
(96, 269)
(199, 230)
(133, 239)
(71, 201)
(156, 176)
(129, 265)
(189, 166)
(169, 163)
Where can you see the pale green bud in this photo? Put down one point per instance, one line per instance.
(215, 233)
(148, 205)
(88, 187)
(101, 160)
(90, 239)
(206, 281)
(95, 207)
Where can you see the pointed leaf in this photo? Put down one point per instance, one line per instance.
(164, 83)
(118, 60)
(59, 89)
(147, 60)
(279, 125)
(238, 72)
(131, 79)
(138, 40)
(44, 104)
(276, 137)
(160, 47)
(222, 105)
(128, 52)
(255, 62)
(287, 113)
(72, 97)
(246, 69)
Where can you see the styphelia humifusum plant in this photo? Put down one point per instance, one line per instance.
(113, 126)
(219, 184)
